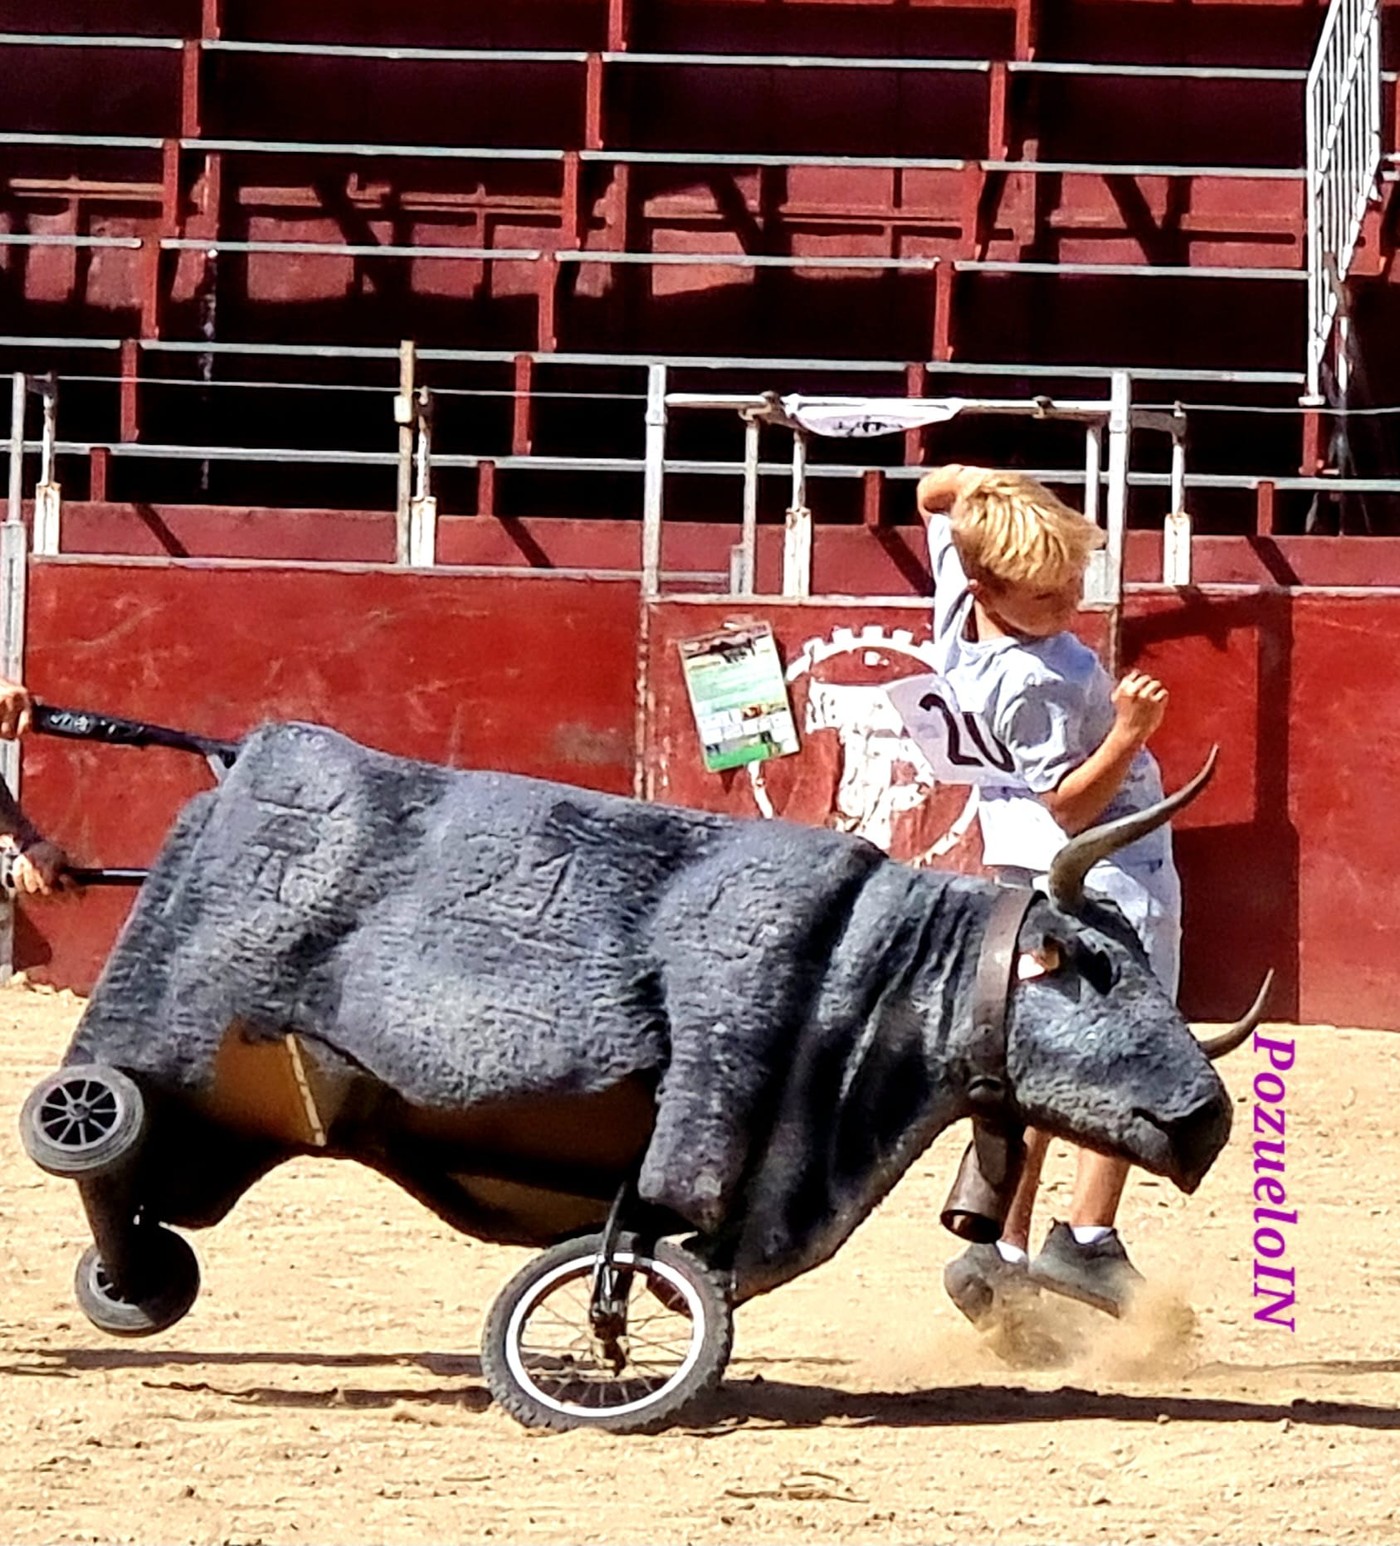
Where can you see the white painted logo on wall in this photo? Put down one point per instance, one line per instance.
(860, 770)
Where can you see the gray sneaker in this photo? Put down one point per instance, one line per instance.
(980, 1278)
(1099, 1274)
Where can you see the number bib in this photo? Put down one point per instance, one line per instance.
(958, 744)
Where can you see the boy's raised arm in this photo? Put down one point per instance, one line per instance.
(1084, 793)
(938, 489)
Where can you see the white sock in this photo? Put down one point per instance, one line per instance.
(1012, 1253)
(1087, 1234)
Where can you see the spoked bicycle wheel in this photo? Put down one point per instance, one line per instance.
(551, 1366)
(83, 1121)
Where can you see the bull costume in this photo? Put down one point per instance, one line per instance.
(540, 1009)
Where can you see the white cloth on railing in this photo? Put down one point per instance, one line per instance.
(850, 417)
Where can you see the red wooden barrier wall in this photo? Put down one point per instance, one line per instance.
(523, 672)
(1290, 859)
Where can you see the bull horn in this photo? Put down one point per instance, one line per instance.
(1083, 852)
(1241, 1030)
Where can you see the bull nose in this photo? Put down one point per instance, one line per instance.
(1195, 1139)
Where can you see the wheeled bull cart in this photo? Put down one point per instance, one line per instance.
(617, 1324)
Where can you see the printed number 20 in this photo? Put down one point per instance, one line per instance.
(996, 754)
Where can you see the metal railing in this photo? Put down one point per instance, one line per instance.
(1343, 125)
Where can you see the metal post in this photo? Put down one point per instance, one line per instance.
(748, 541)
(422, 525)
(13, 575)
(654, 481)
(1093, 470)
(1116, 500)
(19, 387)
(404, 417)
(47, 495)
(1104, 581)
(797, 535)
(1176, 530)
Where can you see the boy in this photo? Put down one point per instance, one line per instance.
(1067, 750)
(38, 866)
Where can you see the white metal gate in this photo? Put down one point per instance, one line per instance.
(1344, 156)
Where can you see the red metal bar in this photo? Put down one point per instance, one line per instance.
(593, 103)
(943, 312)
(873, 490)
(213, 19)
(170, 188)
(130, 407)
(974, 179)
(1266, 517)
(546, 339)
(486, 488)
(150, 287)
(619, 24)
(915, 385)
(996, 111)
(1314, 444)
(190, 127)
(620, 209)
(211, 201)
(571, 209)
(523, 430)
(99, 463)
(1027, 28)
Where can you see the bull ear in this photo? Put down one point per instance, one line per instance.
(1045, 958)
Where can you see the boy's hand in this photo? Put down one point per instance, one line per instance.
(38, 869)
(938, 490)
(15, 706)
(1140, 704)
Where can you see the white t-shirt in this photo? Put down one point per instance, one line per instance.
(1023, 714)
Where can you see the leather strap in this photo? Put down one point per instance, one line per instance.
(991, 991)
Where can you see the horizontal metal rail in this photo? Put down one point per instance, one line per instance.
(89, 141)
(63, 239)
(388, 53)
(84, 40)
(350, 249)
(836, 471)
(657, 259)
(767, 365)
(623, 156)
(741, 260)
(353, 148)
(1126, 270)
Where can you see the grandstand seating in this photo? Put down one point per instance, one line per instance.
(1061, 187)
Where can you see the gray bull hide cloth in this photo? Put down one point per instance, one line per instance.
(473, 936)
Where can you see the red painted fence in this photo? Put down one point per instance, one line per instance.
(1290, 859)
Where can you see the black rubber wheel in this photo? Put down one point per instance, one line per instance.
(169, 1265)
(548, 1368)
(82, 1121)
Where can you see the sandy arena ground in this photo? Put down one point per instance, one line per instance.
(325, 1386)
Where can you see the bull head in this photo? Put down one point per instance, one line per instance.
(1096, 1049)
(1083, 852)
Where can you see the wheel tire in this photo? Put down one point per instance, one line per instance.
(534, 1388)
(171, 1266)
(82, 1121)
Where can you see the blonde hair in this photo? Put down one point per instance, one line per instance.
(1008, 527)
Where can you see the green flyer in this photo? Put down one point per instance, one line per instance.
(739, 697)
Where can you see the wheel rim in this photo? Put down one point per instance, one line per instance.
(79, 1113)
(553, 1354)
